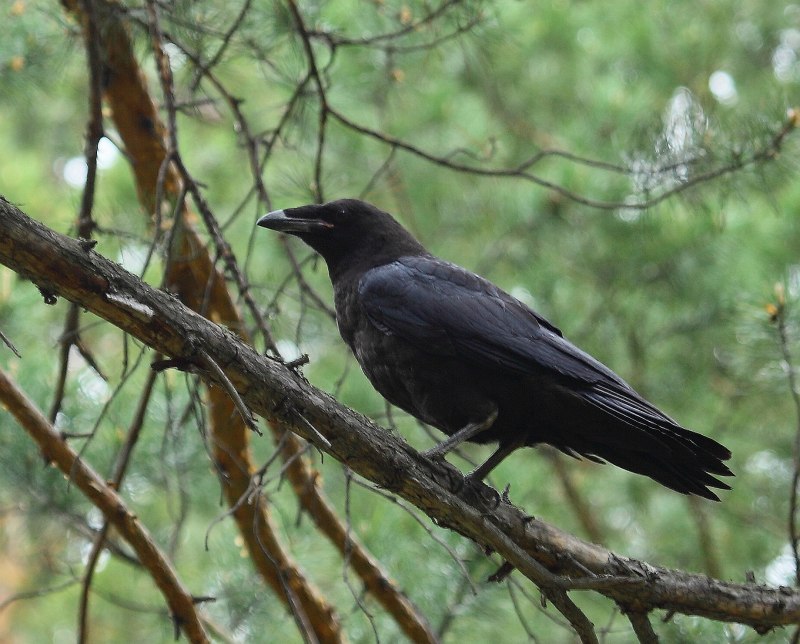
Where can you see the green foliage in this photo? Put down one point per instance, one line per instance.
(672, 297)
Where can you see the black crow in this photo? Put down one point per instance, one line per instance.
(457, 352)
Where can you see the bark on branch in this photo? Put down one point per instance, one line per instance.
(553, 559)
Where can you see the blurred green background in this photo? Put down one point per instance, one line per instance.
(675, 298)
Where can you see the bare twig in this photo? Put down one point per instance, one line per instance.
(323, 100)
(9, 344)
(209, 363)
(38, 592)
(225, 41)
(387, 39)
(522, 171)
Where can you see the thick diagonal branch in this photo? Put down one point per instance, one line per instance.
(60, 265)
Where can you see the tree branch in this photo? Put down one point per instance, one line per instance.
(55, 449)
(555, 560)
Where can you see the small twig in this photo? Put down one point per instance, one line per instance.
(410, 28)
(210, 364)
(86, 582)
(305, 287)
(518, 609)
(301, 618)
(401, 504)
(94, 128)
(779, 316)
(314, 431)
(66, 340)
(34, 594)
(225, 42)
(9, 344)
(205, 361)
(501, 573)
(248, 496)
(297, 362)
(324, 109)
(576, 617)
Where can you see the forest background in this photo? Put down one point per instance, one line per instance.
(629, 170)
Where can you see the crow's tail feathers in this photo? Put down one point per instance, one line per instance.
(638, 437)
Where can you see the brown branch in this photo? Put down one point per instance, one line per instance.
(642, 627)
(120, 466)
(192, 274)
(191, 271)
(554, 559)
(102, 496)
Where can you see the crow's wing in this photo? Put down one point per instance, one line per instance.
(442, 308)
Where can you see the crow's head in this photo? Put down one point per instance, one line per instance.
(348, 233)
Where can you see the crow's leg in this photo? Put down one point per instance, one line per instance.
(480, 472)
(464, 434)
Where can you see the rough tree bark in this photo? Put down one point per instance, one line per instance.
(556, 561)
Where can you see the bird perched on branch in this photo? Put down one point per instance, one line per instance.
(457, 352)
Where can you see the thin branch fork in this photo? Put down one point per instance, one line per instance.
(545, 554)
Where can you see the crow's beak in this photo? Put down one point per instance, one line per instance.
(277, 220)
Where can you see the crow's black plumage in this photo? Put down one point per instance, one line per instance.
(457, 352)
